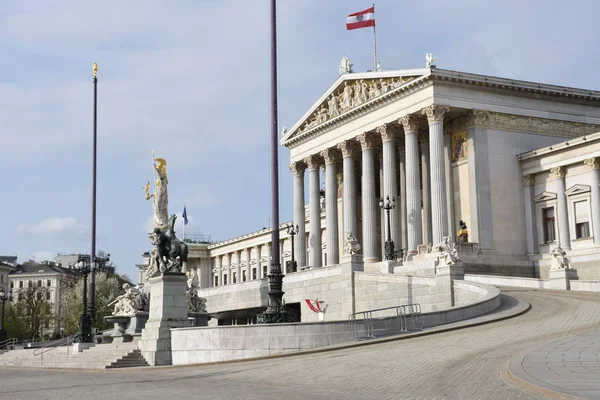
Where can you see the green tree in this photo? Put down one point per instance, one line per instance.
(30, 313)
(108, 287)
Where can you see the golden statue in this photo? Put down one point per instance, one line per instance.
(161, 199)
(147, 190)
(95, 69)
(161, 168)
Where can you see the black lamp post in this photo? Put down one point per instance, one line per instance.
(388, 205)
(293, 231)
(85, 321)
(4, 297)
(93, 252)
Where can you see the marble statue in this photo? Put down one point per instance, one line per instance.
(345, 66)
(384, 86)
(161, 198)
(169, 254)
(283, 131)
(351, 246)
(448, 253)
(129, 303)
(334, 111)
(559, 259)
(195, 303)
(346, 97)
(364, 91)
(430, 59)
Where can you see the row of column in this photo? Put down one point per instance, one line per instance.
(562, 214)
(230, 263)
(405, 217)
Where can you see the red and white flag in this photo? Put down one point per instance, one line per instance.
(361, 19)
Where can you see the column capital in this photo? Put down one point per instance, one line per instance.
(387, 132)
(347, 148)
(329, 155)
(268, 245)
(410, 123)
(313, 162)
(592, 163)
(435, 113)
(297, 168)
(257, 247)
(366, 141)
(529, 180)
(560, 172)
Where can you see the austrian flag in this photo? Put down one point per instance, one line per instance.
(361, 19)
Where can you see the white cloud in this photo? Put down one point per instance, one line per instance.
(55, 226)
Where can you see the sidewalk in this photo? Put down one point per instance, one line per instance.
(566, 369)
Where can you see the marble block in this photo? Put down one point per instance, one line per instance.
(168, 309)
(559, 279)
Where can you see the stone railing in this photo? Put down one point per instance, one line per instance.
(468, 248)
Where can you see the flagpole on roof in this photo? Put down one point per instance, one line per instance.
(184, 210)
(374, 44)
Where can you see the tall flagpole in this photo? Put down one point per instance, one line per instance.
(183, 220)
(374, 42)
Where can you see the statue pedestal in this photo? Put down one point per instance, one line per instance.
(168, 309)
(198, 319)
(559, 278)
(125, 327)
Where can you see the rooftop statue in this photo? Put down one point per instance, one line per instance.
(429, 59)
(345, 66)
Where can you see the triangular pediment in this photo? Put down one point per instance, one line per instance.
(350, 92)
(544, 196)
(578, 189)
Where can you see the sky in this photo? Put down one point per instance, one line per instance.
(190, 79)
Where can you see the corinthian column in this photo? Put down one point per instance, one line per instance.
(594, 165)
(413, 189)
(297, 169)
(348, 190)
(331, 210)
(369, 202)
(390, 185)
(561, 205)
(402, 202)
(314, 241)
(427, 234)
(439, 220)
(530, 220)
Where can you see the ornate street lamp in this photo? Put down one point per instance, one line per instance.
(85, 321)
(4, 297)
(388, 205)
(293, 231)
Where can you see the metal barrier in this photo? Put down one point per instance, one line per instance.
(403, 318)
(68, 341)
(8, 343)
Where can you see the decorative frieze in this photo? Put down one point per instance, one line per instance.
(592, 163)
(529, 180)
(559, 172)
(509, 122)
(435, 112)
(410, 123)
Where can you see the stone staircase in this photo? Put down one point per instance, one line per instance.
(102, 356)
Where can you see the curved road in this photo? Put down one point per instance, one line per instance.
(462, 364)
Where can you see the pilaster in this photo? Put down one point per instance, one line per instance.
(530, 217)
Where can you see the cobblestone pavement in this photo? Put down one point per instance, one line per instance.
(570, 365)
(462, 364)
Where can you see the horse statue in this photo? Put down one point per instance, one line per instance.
(171, 252)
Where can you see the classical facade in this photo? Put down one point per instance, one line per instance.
(453, 149)
(4, 271)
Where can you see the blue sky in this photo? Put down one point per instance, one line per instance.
(190, 79)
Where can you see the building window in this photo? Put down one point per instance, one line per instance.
(39, 296)
(39, 283)
(12, 284)
(1, 278)
(234, 277)
(20, 284)
(48, 296)
(20, 296)
(253, 273)
(264, 271)
(30, 284)
(49, 283)
(216, 281)
(549, 224)
(243, 276)
(225, 279)
(582, 219)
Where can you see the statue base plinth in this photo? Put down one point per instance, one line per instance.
(168, 309)
(559, 278)
(125, 327)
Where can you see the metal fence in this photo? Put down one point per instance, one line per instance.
(385, 321)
